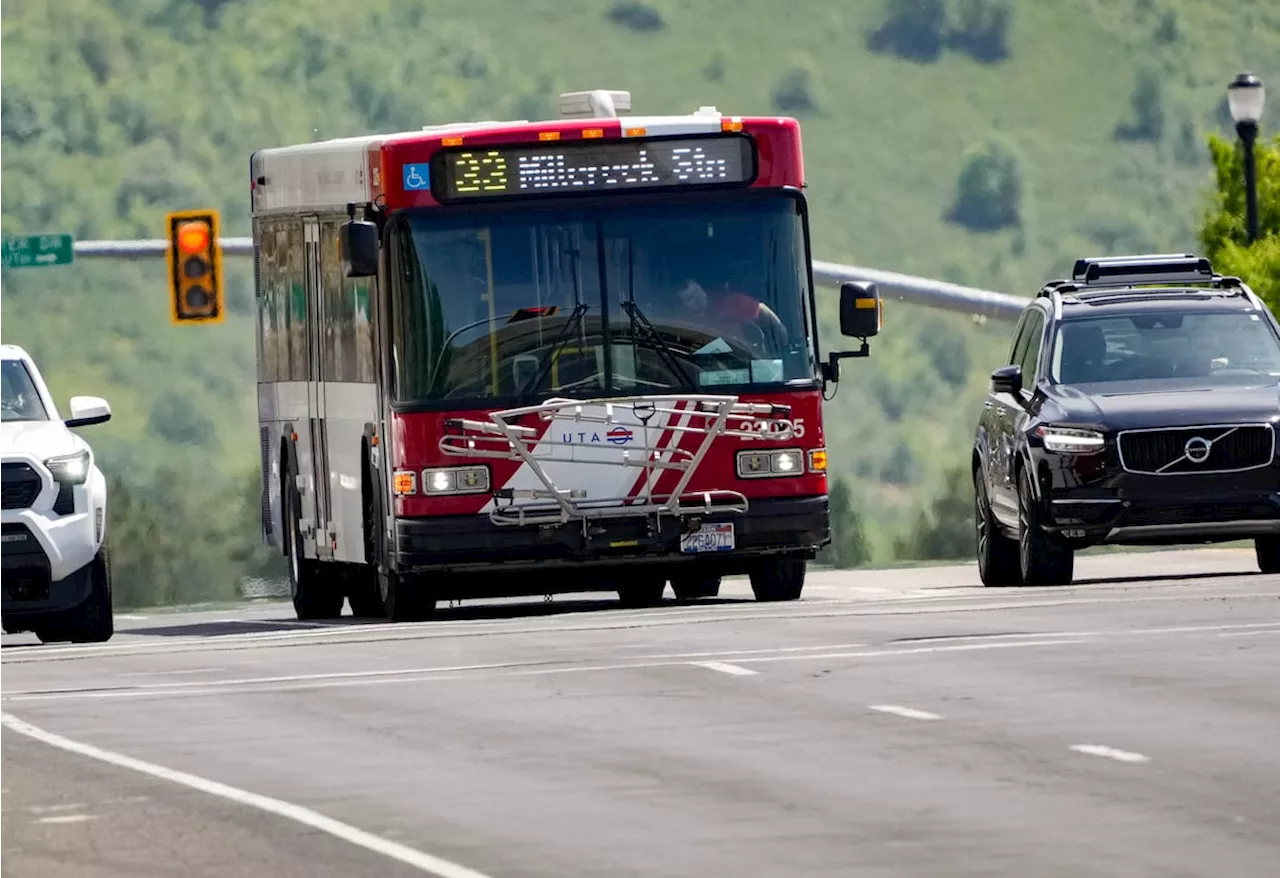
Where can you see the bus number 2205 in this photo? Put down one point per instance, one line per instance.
(763, 428)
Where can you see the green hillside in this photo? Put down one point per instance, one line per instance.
(1081, 124)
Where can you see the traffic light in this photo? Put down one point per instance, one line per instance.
(195, 267)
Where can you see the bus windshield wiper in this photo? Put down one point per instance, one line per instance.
(659, 343)
(566, 332)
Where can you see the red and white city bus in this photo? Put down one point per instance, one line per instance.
(504, 359)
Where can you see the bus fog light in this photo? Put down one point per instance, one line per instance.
(456, 480)
(785, 463)
(766, 464)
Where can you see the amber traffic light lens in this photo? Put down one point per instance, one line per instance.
(193, 237)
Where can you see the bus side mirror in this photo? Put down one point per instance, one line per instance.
(358, 246)
(860, 317)
(860, 309)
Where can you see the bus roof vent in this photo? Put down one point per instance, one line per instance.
(597, 104)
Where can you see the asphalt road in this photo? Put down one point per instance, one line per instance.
(891, 723)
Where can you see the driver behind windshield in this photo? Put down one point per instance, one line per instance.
(744, 315)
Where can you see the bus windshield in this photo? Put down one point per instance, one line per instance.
(600, 300)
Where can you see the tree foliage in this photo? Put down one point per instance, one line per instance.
(943, 528)
(1223, 232)
(848, 547)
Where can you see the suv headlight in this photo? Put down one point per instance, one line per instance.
(70, 469)
(1063, 440)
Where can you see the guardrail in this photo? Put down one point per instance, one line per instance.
(905, 287)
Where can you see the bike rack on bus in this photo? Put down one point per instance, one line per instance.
(503, 437)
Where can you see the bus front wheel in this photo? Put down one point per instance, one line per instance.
(778, 579)
(314, 588)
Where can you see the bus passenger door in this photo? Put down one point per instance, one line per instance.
(322, 515)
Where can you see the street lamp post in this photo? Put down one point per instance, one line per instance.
(1246, 97)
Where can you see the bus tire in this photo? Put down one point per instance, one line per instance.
(405, 599)
(689, 588)
(778, 579)
(636, 590)
(315, 591)
(364, 591)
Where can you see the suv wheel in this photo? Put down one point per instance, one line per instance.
(92, 621)
(998, 565)
(1043, 558)
(1268, 551)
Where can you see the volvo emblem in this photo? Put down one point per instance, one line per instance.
(1197, 449)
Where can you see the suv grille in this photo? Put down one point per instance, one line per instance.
(1191, 450)
(19, 485)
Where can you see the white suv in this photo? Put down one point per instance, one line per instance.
(56, 577)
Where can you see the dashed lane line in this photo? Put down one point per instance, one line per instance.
(908, 712)
(420, 860)
(378, 633)
(1109, 753)
(68, 818)
(726, 668)
(469, 672)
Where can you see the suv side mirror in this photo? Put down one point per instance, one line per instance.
(861, 310)
(1007, 379)
(87, 411)
(358, 246)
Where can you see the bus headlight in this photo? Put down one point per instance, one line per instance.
(765, 464)
(456, 480)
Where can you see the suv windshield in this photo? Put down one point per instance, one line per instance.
(18, 396)
(599, 300)
(1212, 346)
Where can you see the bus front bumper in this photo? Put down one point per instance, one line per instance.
(792, 526)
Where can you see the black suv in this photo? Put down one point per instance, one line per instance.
(1139, 405)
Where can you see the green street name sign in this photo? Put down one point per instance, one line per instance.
(37, 251)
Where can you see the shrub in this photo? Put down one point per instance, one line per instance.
(989, 189)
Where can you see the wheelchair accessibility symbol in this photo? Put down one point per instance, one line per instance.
(417, 176)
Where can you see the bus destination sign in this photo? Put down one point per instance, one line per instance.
(595, 165)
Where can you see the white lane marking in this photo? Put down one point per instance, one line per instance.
(779, 649)
(47, 809)
(1250, 633)
(908, 712)
(68, 818)
(462, 672)
(726, 668)
(291, 623)
(131, 618)
(174, 672)
(1109, 753)
(667, 616)
(393, 850)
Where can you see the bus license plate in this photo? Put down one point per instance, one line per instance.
(708, 538)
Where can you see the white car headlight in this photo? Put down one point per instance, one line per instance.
(70, 469)
(1064, 440)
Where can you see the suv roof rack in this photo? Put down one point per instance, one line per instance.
(1152, 268)
(1107, 278)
